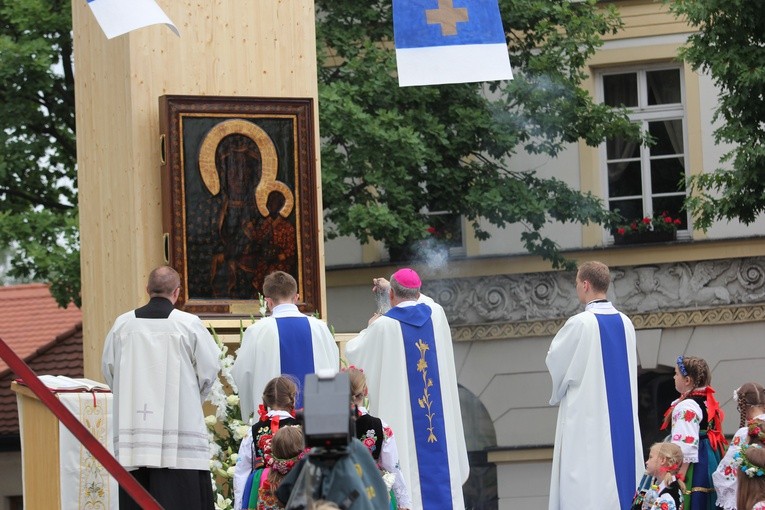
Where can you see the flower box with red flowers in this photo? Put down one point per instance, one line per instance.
(659, 229)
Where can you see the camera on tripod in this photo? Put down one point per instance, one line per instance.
(339, 468)
(327, 418)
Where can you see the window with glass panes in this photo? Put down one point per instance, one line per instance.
(647, 180)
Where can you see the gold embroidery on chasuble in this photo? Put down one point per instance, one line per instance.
(94, 479)
(447, 16)
(424, 401)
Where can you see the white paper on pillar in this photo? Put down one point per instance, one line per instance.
(85, 483)
(117, 17)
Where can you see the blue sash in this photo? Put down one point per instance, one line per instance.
(613, 347)
(296, 350)
(426, 403)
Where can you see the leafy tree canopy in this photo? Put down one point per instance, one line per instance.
(38, 180)
(391, 154)
(730, 46)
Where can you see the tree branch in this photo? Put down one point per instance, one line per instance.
(35, 200)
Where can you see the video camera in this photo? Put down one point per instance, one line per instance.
(339, 468)
(327, 418)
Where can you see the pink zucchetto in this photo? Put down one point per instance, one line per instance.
(408, 278)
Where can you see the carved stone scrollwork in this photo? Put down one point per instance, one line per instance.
(655, 296)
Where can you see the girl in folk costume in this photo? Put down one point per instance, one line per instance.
(663, 464)
(751, 461)
(750, 399)
(377, 436)
(696, 420)
(287, 448)
(277, 410)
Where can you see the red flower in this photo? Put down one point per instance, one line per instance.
(633, 225)
(736, 440)
(664, 505)
(369, 442)
(667, 219)
(678, 222)
(620, 231)
(432, 230)
(689, 439)
(647, 220)
(689, 415)
(728, 470)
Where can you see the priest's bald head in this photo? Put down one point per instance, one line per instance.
(404, 286)
(165, 282)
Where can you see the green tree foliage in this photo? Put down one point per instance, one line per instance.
(390, 153)
(730, 46)
(38, 180)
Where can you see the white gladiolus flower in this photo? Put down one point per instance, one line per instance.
(222, 503)
(211, 420)
(232, 400)
(240, 432)
(389, 478)
(215, 449)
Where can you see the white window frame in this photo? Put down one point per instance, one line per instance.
(644, 113)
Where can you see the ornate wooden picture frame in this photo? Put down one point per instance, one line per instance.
(239, 196)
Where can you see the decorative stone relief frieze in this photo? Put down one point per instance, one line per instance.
(654, 296)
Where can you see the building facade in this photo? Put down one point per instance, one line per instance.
(701, 294)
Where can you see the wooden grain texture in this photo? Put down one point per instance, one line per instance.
(225, 48)
(40, 450)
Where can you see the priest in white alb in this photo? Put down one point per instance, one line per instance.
(288, 342)
(161, 363)
(408, 359)
(598, 456)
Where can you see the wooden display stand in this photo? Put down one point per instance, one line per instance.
(39, 444)
(58, 472)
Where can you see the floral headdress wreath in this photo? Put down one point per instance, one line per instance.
(283, 466)
(745, 464)
(757, 430)
(681, 366)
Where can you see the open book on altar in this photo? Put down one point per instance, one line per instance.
(64, 383)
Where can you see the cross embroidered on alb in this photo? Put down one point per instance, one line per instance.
(145, 412)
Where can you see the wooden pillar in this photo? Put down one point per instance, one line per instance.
(241, 48)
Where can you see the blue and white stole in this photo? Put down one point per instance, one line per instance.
(616, 371)
(426, 404)
(296, 350)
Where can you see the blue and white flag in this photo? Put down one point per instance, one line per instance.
(117, 17)
(449, 41)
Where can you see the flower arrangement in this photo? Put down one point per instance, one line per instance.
(226, 430)
(445, 229)
(659, 223)
(749, 469)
